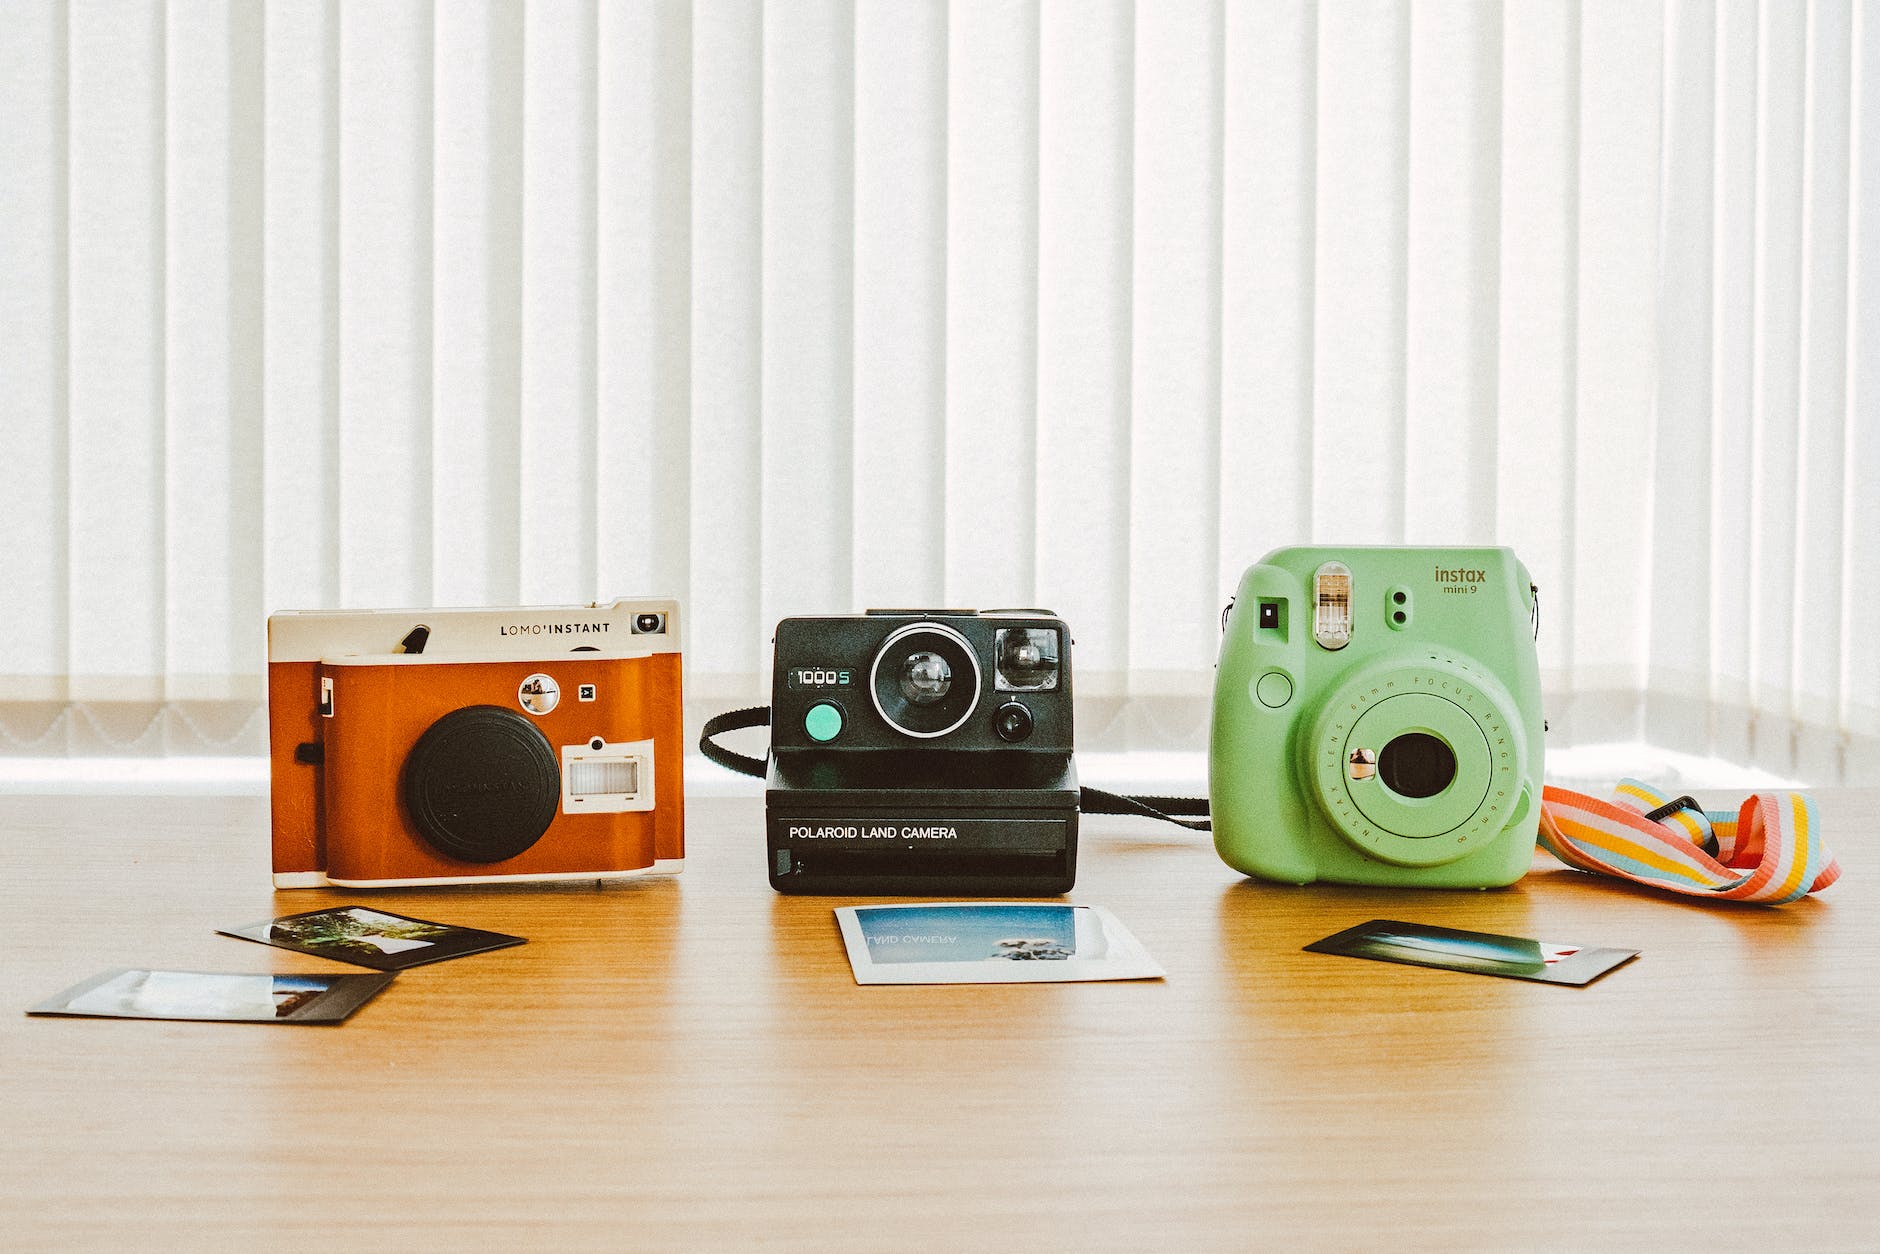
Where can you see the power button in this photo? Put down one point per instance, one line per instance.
(1274, 689)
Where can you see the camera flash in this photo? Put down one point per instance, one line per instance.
(1331, 601)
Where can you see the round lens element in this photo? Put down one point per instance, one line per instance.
(1416, 764)
(925, 678)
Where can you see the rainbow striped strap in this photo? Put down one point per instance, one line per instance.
(1769, 852)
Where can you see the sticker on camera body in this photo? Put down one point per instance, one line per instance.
(539, 694)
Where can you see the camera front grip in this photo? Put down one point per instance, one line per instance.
(1090, 800)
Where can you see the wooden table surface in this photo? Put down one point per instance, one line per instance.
(687, 1063)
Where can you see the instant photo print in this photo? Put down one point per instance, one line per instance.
(1479, 953)
(990, 943)
(371, 938)
(217, 996)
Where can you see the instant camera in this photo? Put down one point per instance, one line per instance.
(922, 752)
(454, 746)
(1377, 719)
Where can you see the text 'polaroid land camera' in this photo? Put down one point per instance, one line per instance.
(451, 746)
(922, 752)
(1377, 719)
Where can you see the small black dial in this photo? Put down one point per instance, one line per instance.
(1012, 721)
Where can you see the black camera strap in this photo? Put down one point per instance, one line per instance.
(1096, 801)
(1090, 800)
(735, 720)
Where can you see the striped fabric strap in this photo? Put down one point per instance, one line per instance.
(1769, 852)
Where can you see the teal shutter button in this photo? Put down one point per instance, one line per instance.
(824, 721)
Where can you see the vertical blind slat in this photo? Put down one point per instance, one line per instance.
(1085, 146)
(33, 348)
(476, 300)
(1823, 411)
(559, 478)
(992, 318)
(1860, 669)
(726, 345)
(1682, 457)
(1733, 382)
(1454, 172)
(643, 262)
(1621, 51)
(117, 275)
(385, 308)
(300, 308)
(1358, 382)
(211, 581)
(1269, 176)
(1176, 374)
(808, 307)
(900, 303)
(1538, 269)
(1783, 53)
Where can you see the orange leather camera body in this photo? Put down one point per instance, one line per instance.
(462, 746)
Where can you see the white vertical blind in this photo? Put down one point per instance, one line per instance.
(900, 303)
(804, 307)
(1858, 706)
(1086, 133)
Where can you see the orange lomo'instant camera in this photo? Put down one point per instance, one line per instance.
(457, 746)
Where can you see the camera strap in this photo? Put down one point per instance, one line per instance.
(1769, 851)
(735, 720)
(1090, 800)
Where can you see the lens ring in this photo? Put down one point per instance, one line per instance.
(961, 698)
(1453, 698)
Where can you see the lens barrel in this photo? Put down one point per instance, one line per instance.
(925, 680)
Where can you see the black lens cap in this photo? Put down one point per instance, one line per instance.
(482, 784)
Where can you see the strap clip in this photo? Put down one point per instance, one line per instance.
(1686, 802)
(1670, 808)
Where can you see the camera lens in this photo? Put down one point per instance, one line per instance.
(1416, 764)
(925, 678)
(648, 624)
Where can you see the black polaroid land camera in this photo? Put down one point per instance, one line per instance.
(922, 752)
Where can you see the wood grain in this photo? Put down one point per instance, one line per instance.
(687, 1063)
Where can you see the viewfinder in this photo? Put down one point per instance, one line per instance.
(1026, 659)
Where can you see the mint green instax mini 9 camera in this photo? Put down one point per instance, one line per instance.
(1377, 719)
